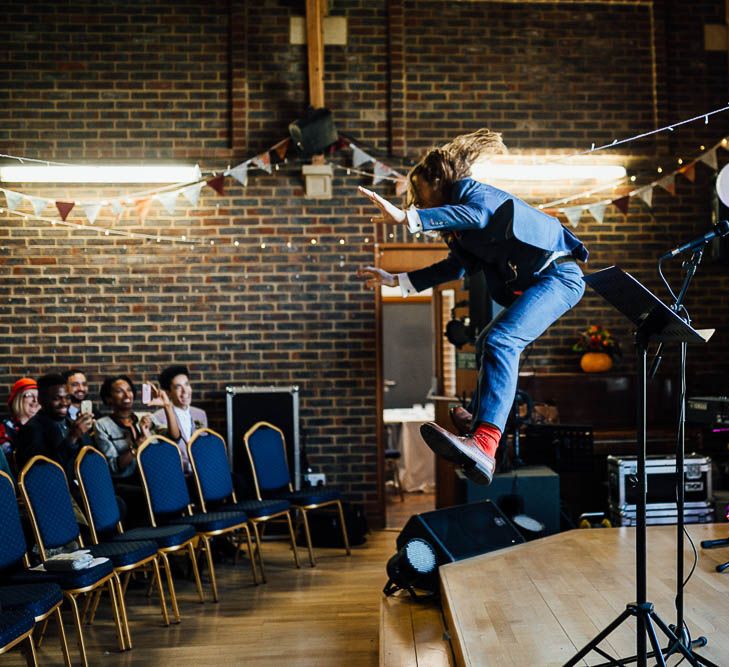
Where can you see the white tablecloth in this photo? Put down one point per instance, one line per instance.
(417, 461)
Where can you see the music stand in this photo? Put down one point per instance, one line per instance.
(654, 321)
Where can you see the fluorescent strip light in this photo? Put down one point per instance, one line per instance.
(100, 174)
(492, 171)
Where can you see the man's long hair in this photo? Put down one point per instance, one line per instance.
(442, 167)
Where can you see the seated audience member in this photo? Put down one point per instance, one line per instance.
(78, 391)
(50, 432)
(175, 380)
(23, 404)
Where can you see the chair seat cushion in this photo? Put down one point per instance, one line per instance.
(312, 496)
(38, 599)
(211, 521)
(257, 509)
(163, 536)
(122, 554)
(14, 624)
(71, 580)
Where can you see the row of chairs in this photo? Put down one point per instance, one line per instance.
(175, 526)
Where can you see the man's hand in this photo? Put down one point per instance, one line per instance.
(375, 277)
(159, 399)
(389, 213)
(83, 424)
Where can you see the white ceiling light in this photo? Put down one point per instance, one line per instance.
(88, 173)
(493, 171)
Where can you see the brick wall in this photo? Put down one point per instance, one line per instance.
(218, 83)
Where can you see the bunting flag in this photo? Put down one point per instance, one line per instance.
(192, 192)
(622, 204)
(12, 199)
(218, 183)
(262, 161)
(117, 207)
(709, 158)
(64, 208)
(239, 173)
(401, 186)
(573, 213)
(141, 207)
(359, 157)
(669, 183)
(646, 194)
(91, 211)
(689, 171)
(38, 204)
(168, 200)
(281, 148)
(597, 211)
(381, 172)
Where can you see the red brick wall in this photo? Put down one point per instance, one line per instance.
(218, 82)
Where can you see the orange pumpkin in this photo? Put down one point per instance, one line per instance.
(596, 362)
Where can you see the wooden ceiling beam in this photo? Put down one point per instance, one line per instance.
(315, 12)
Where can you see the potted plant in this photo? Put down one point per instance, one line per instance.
(599, 349)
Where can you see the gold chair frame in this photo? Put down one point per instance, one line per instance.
(203, 536)
(31, 658)
(304, 509)
(254, 521)
(112, 579)
(55, 610)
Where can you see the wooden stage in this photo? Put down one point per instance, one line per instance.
(536, 604)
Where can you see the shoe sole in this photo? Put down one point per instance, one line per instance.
(477, 474)
(434, 439)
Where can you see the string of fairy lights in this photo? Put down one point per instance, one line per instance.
(381, 172)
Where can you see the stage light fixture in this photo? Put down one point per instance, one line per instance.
(415, 566)
(100, 173)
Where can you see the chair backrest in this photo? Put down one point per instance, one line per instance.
(12, 539)
(266, 447)
(97, 491)
(45, 490)
(209, 459)
(160, 466)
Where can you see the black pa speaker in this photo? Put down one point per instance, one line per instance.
(315, 132)
(462, 531)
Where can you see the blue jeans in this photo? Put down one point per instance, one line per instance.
(558, 288)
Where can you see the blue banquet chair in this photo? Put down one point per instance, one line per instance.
(102, 511)
(209, 459)
(43, 599)
(16, 626)
(168, 501)
(44, 488)
(266, 447)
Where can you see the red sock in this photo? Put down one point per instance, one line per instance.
(487, 438)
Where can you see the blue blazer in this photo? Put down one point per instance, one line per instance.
(490, 230)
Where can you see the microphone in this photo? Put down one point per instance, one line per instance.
(721, 228)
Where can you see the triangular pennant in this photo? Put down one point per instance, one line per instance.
(689, 171)
(239, 173)
(168, 200)
(359, 157)
(116, 206)
(381, 172)
(262, 161)
(709, 158)
(13, 199)
(64, 208)
(597, 211)
(646, 194)
(92, 212)
(192, 192)
(281, 148)
(668, 183)
(38, 204)
(218, 184)
(141, 208)
(622, 204)
(401, 186)
(573, 214)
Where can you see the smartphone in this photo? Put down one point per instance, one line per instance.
(87, 408)
(146, 393)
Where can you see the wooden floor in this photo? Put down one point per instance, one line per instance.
(328, 615)
(536, 604)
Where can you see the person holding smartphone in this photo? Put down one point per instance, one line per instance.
(77, 388)
(529, 261)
